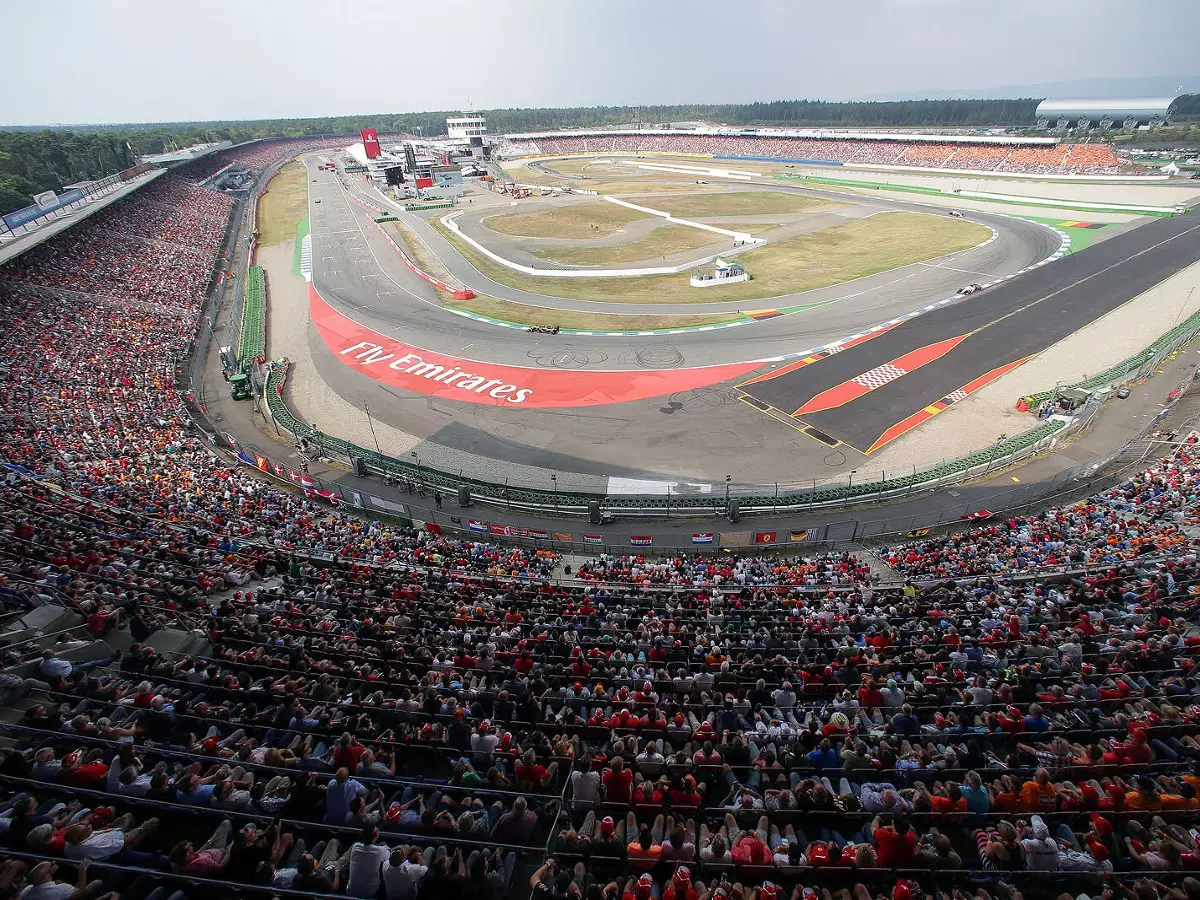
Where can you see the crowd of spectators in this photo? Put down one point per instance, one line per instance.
(377, 711)
(706, 569)
(442, 723)
(259, 155)
(1152, 513)
(1058, 159)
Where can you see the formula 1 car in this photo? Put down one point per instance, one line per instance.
(973, 288)
(955, 214)
(543, 329)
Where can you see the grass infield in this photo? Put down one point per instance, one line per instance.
(815, 260)
(283, 205)
(594, 219)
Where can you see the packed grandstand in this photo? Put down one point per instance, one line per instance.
(1078, 159)
(369, 710)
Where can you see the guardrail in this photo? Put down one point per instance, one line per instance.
(251, 337)
(1133, 368)
(526, 498)
(1064, 205)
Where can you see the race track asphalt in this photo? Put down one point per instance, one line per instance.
(707, 433)
(998, 327)
(350, 276)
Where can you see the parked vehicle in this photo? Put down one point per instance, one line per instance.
(239, 387)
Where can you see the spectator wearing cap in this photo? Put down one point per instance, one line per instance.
(1038, 849)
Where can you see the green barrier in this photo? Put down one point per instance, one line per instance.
(1115, 374)
(252, 334)
(968, 466)
(419, 207)
(935, 192)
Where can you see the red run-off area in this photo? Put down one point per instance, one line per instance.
(426, 372)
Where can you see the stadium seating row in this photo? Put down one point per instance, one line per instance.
(1076, 159)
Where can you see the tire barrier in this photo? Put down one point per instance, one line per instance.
(252, 334)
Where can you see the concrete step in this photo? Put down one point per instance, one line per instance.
(183, 643)
(44, 620)
(880, 571)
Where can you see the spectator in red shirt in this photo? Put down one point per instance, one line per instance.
(895, 844)
(618, 783)
(532, 776)
(348, 752)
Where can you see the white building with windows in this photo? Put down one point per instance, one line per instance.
(463, 128)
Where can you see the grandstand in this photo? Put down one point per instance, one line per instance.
(1017, 155)
(342, 707)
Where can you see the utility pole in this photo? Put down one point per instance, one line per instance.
(371, 422)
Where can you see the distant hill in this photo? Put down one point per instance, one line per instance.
(1156, 86)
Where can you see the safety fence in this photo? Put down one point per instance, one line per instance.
(529, 498)
(1065, 205)
(1135, 367)
(251, 336)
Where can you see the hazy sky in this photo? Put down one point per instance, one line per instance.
(135, 61)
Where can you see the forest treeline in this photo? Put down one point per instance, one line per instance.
(38, 159)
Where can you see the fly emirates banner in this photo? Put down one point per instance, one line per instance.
(426, 372)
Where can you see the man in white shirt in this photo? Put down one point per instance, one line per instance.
(126, 780)
(367, 858)
(85, 842)
(1072, 650)
(401, 874)
(483, 746)
(42, 885)
(1040, 850)
(585, 790)
(893, 696)
(53, 666)
(784, 699)
(981, 694)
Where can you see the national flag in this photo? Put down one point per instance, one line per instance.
(305, 481)
(702, 538)
(476, 525)
(765, 537)
(432, 527)
(328, 496)
(279, 470)
(263, 463)
(979, 514)
(293, 476)
(564, 536)
(798, 535)
(539, 534)
(248, 460)
(593, 539)
(641, 540)
(501, 530)
(918, 532)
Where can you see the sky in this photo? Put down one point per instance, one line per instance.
(94, 61)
